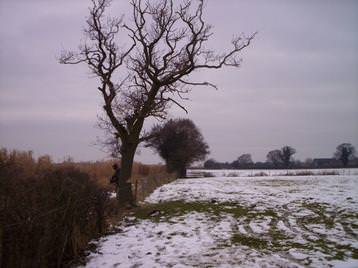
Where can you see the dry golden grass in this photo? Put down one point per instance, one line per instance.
(145, 178)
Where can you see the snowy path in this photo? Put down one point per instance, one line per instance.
(241, 222)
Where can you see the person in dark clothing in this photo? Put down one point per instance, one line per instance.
(123, 188)
(116, 175)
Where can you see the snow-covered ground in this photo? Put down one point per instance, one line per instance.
(271, 221)
(272, 172)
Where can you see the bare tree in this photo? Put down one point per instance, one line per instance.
(344, 153)
(167, 45)
(281, 157)
(245, 160)
(286, 154)
(274, 157)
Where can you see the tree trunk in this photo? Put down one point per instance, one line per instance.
(182, 172)
(177, 167)
(128, 152)
(127, 163)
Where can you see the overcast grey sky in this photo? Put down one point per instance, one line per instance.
(298, 84)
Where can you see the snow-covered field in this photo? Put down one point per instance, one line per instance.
(272, 172)
(270, 221)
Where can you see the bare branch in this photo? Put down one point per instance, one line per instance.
(178, 104)
(199, 83)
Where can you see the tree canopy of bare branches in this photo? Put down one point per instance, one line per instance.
(274, 157)
(281, 157)
(286, 155)
(344, 153)
(146, 64)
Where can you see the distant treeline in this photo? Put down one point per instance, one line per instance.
(344, 156)
(297, 164)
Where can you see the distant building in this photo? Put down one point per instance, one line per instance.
(326, 163)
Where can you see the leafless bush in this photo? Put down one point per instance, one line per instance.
(311, 173)
(259, 174)
(233, 174)
(300, 173)
(328, 173)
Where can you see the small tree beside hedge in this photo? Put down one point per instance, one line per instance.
(180, 143)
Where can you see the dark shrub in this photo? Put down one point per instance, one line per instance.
(47, 214)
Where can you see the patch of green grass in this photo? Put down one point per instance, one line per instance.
(214, 210)
(355, 254)
(262, 213)
(322, 215)
(178, 208)
(276, 241)
(249, 241)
